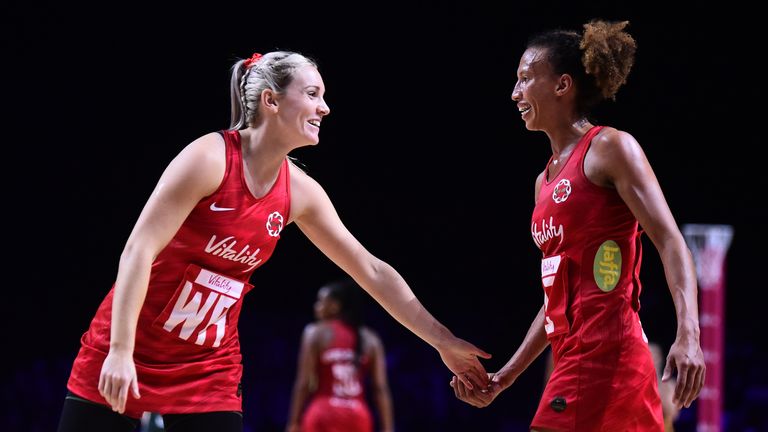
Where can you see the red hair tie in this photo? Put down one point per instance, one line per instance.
(251, 61)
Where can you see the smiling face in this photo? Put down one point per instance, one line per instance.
(535, 89)
(301, 107)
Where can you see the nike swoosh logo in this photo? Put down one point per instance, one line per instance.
(214, 208)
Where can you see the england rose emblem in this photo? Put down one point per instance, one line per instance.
(562, 191)
(275, 224)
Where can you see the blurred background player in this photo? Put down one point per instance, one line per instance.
(337, 354)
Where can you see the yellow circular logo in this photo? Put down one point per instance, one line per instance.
(607, 266)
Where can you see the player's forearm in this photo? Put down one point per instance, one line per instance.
(680, 273)
(384, 405)
(130, 291)
(302, 390)
(389, 289)
(533, 344)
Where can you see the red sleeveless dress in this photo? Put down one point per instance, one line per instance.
(603, 377)
(339, 404)
(187, 352)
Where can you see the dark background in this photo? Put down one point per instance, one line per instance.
(424, 156)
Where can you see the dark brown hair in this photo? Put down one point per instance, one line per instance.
(599, 60)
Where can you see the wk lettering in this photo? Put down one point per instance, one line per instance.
(195, 304)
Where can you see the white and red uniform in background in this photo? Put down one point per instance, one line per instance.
(339, 403)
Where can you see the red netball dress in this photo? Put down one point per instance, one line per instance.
(339, 404)
(603, 377)
(187, 352)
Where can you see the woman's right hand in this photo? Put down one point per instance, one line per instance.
(461, 358)
(118, 374)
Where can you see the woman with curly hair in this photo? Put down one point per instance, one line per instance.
(595, 192)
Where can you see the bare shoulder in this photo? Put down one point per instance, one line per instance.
(311, 327)
(370, 338)
(306, 193)
(301, 181)
(206, 155)
(310, 330)
(316, 332)
(321, 328)
(197, 170)
(612, 154)
(614, 142)
(208, 148)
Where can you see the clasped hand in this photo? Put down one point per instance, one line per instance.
(479, 397)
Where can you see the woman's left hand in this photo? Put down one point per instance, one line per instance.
(686, 356)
